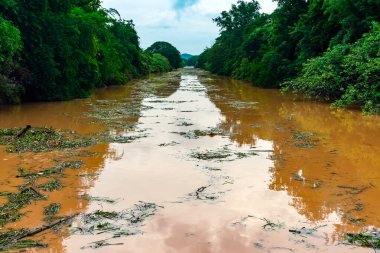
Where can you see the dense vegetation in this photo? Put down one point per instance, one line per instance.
(167, 50)
(192, 61)
(323, 49)
(58, 50)
(158, 63)
(10, 47)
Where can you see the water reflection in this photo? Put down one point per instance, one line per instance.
(213, 204)
(340, 177)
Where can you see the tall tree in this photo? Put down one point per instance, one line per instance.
(168, 50)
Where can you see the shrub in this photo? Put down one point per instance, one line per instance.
(348, 75)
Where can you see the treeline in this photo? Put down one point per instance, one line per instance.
(192, 61)
(323, 49)
(64, 49)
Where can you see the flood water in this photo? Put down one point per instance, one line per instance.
(230, 168)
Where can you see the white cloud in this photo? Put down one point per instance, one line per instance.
(190, 29)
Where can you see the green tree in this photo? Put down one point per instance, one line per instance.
(72, 46)
(10, 47)
(346, 74)
(158, 63)
(239, 15)
(192, 61)
(307, 44)
(167, 50)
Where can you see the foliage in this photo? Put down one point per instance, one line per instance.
(167, 50)
(269, 50)
(159, 63)
(70, 48)
(10, 43)
(347, 74)
(192, 61)
(239, 15)
(10, 47)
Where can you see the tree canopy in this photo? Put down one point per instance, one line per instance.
(70, 47)
(168, 50)
(270, 50)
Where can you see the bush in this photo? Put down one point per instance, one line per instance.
(159, 64)
(348, 75)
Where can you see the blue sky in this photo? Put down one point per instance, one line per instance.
(187, 24)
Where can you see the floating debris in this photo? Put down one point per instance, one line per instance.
(269, 225)
(220, 155)
(9, 241)
(304, 140)
(52, 209)
(195, 134)
(369, 239)
(354, 190)
(99, 199)
(9, 212)
(305, 231)
(14, 239)
(353, 220)
(41, 140)
(51, 186)
(52, 171)
(211, 155)
(125, 138)
(115, 224)
(173, 143)
(188, 135)
(186, 124)
(243, 105)
(116, 114)
(100, 244)
(201, 194)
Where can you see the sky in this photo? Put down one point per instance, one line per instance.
(187, 24)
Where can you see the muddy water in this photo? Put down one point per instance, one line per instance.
(230, 168)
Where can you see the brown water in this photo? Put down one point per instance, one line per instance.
(213, 205)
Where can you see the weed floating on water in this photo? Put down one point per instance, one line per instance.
(114, 224)
(304, 140)
(51, 186)
(369, 239)
(41, 140)
(52, 209)
(9, 212)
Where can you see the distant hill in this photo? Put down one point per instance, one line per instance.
(186, 56)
